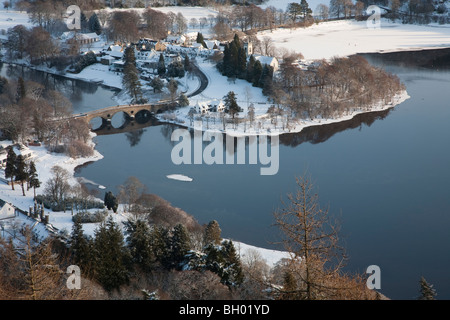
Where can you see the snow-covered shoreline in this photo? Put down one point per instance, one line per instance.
(182, 119)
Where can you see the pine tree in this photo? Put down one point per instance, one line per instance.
(94, 24)
(241, 67)
(21, 172)
(112, 257)
(129, 56)
(161, 66)
(10, 169)
(250, 66)
(426, 290)
(139, 244)
(187, 64)
(183, 100)
(33, 178)
(110, 200)
(130, 78)
(157, 84)
(232, 274)
(80, 247)
(200, 38)
(231, 104)
(232, 68)
(294, 10)
(257, 72)
(180, 244)
(212, 233)
(160, 244)
(304, 9)
(21, 90)
(84, 23)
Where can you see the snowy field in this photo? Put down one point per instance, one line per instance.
(11, 18)
(342, 38)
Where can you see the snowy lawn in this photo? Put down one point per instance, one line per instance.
(342, 38)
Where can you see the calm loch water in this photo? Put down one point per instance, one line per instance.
(385, 175)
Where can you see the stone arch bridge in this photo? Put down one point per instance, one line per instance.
(106, 114)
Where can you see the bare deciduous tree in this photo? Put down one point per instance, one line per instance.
(310, 238)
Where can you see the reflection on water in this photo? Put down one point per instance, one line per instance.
(85, 96)
(385, 174)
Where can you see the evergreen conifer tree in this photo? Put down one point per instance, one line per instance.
(230, 103)
(183, 100)
(232, 274)
(257, 72)
(33, 178)
(160, 244)
(111, 256)
(21, 174)
(250, 65)
(139, 244)
(94, 24)
(161, 66)
(130, 78)
(80, 247)
(180, 244)
(241, 67)
(200, 38)
(212, 233)
(427, 291)
(10, 169)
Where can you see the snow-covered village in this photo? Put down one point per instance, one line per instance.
(130, 131)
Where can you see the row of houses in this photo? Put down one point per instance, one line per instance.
(205, 107)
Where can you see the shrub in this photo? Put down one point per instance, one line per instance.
(91, 217)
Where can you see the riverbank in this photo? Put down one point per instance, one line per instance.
(263, 124)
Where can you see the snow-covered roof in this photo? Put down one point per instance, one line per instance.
(18, 148)
(115, 51)
(79, 36)
(6, 210)
(264, 59)
(147, 55)
(172, 38)
(211, 43)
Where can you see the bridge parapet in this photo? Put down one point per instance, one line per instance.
(131, 110)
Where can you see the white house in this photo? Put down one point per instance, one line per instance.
(176, 39)
(115, 51)
(270, 61)
(217, 106)
(6, 210)
(209, 106)
(117, 66)
(212, 44)
(18, 148)
(147, 55)
(201, 107)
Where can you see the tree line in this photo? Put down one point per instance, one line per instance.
(331, 89)
(234, 64)
(17, 169)
(29, 111)
(161, 252)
